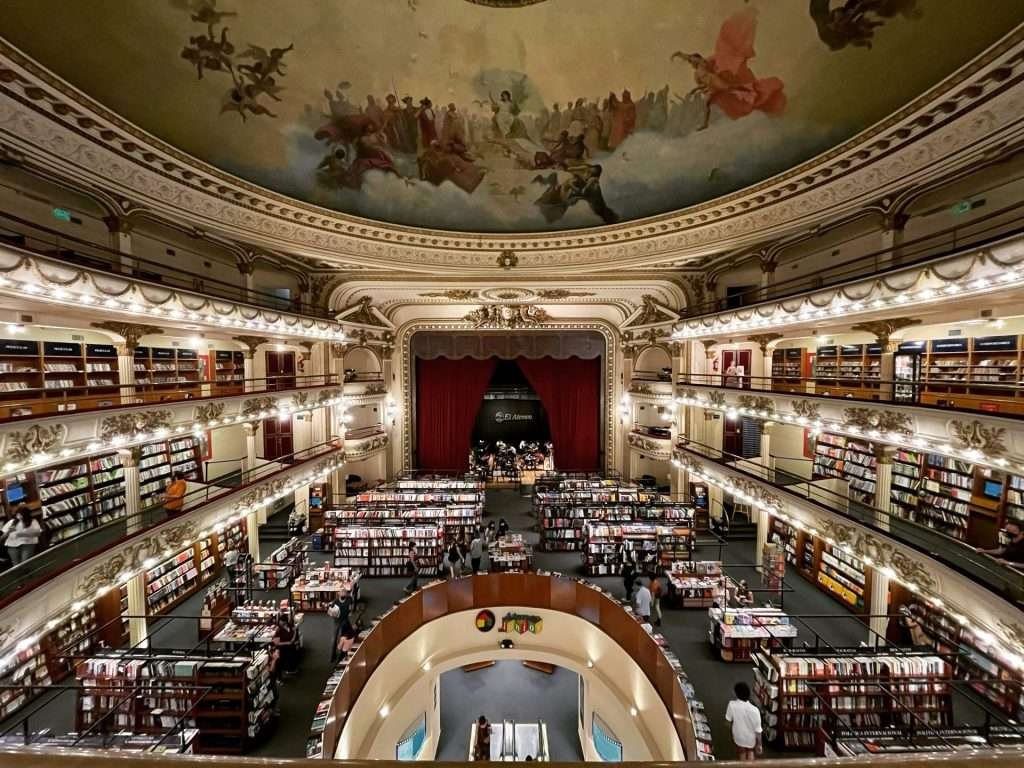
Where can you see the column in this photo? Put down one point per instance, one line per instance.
(879, 620)
(625, 409)
(120, 229)
(302, 502)
(250, 460)
(714, 430)
(883, 485)
(126, 373)
(887, 370)
(138, 627)
(892, 240)
(715, 498)
(247, 270)
(768, 261)
(766, 343)
(248, 371)
(252, 526)
(390, 410)
(766, 447)
(302, 431)
(132, 494)
(762, 534)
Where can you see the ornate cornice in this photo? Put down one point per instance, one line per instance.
(130, 332)
(53, 124)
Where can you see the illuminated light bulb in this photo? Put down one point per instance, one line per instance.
(426, 666)
(633, 711)
(31, 288)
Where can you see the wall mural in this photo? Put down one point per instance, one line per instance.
(505, 115)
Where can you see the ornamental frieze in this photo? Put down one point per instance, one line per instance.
(130, 424)
(132, 556)
(806, 409)
(977, 436)
(209, 412)
(880, 551)
(756, 403)
(22, 445)
(883, 421)
(255, 406)
(507, 316)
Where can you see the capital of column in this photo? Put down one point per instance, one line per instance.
(883, 330)
(250, 343)
(118, 225)
(884, 453)
(129, 457)
(249, 429)
(764, 339)
(130, 332)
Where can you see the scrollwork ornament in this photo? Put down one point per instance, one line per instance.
(507, 316)
(257, 405)
(22, 445)
(883, 553)
(883, 421)
(756, 403)
(974, 435)
(208, 412)
(129, 424)
(806, 409)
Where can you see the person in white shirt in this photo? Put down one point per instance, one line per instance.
(22, 536)
(642, 601)
(746, 723)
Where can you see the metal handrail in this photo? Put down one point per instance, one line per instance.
(950, 551)
(807, 386)
(111, 260)
(17, 580)
(134, 395)
(909, 253)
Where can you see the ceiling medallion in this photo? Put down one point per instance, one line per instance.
(508, 294)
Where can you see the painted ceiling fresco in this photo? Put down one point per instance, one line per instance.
(505, 115)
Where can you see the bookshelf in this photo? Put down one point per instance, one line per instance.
(848, 369)
(1015, 498)
(316, 588)
(315, 741)
(158, 461)
(799, 692)
(229, 372)
(790, 367)
(992, 678)
(847, 459)
(282, 566)
(227, 697)
(906, 484)
(178, 577)
(459, 518)
(382, 550)
(163, 373)
(844, 577)
(947, 486)
(736, 633)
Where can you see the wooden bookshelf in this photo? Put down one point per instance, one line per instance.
(799, 691)
(179, 577)
(166, 373)
(459, 521)
(790, 368)
(983, 372)
(229, 372)
(849, 459)
(382, 550)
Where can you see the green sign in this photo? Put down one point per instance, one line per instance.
(62, 213)
(964, 206)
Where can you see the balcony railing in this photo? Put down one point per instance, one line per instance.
(978, 232)
(972, 396)
(30, 236)
(952, 552)
(17, 581)
(29, 404)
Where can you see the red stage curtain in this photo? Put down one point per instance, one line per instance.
(570, 391)
(448, 396)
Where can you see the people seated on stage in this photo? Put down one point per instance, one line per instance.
(482, 749)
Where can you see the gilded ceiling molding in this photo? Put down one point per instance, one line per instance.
(656, 449)
(507, 316)
(883, 330)
(50, 122)
(764, 340)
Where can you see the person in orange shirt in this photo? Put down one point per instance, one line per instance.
(174, 495)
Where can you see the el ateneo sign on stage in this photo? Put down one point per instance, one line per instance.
(511, 421)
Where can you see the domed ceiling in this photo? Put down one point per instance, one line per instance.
(505, 115)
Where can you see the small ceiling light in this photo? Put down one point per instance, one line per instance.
(385, 711)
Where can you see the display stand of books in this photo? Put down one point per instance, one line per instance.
(843, 741)
(182, 743)
(315, 742)
(773, 567)
(510, 553)
(282, 566)
(698, 584)
(736, 633)
(382, 550)
(227, 697)
(798, 691)
(317, 587)
(216, 610)
(459, 520)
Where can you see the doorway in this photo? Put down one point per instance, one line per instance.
(740, 358)
(280, 370)
(277, 439)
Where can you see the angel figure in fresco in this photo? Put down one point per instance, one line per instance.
(724, 79)
(853, 22)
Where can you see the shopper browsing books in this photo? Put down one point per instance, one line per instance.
(657, 592)
(454, 560)
(746, 723)
(1013, 552)
(476, 552)
(643, 602)
(340, 610)
(412, 570)
(744, 597)
(174, 495)
(628, 577)
(21, 535)
(345, 643)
